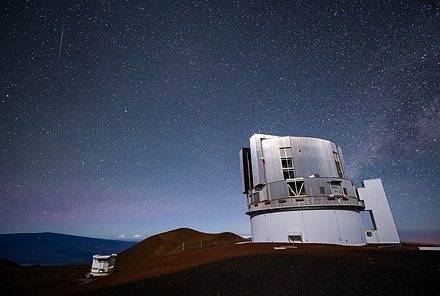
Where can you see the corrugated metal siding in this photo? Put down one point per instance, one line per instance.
(272, 160)
(313, 156)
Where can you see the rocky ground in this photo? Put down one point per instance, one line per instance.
(299, 272)
(159, 266)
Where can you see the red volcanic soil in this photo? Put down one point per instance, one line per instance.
(179, 261)
(303, 271)
(158, 266)
(170, 242)
(168, 252)
(258, 269)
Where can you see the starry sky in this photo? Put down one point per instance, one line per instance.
(125, 119)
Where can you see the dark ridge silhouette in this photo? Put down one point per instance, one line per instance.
(55, 249)
(4, 263)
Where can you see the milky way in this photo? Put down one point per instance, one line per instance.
(127, 118)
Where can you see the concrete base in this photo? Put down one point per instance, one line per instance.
(339, 227)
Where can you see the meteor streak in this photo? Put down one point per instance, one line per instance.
(61, 42)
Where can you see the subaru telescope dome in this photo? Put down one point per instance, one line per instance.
(298, 191)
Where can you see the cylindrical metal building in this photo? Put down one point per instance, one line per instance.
(298, 191)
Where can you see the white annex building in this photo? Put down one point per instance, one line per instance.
(103, 265)
(298, 191)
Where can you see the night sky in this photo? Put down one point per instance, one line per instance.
(127, 118)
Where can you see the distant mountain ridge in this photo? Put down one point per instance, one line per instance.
(55, 249)
(420, 236)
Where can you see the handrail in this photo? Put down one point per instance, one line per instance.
(306, 201)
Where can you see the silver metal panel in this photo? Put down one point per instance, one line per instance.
(283, 142)
(341, 157)
(313, 186)
(278, 190)
(310, 156)
(272, 160)
(313, 156)
(257, 168)
(245, 170)
(242, 173)
(258, 171)
(257, 156)
(376, 201)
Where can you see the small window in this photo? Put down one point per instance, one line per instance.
(322, 190)
(286, 152)
(286, 163)
(288, 174)
(336, 187)
(345, 191)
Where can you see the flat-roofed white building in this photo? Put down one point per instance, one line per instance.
(298, 191)
(103, 265)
